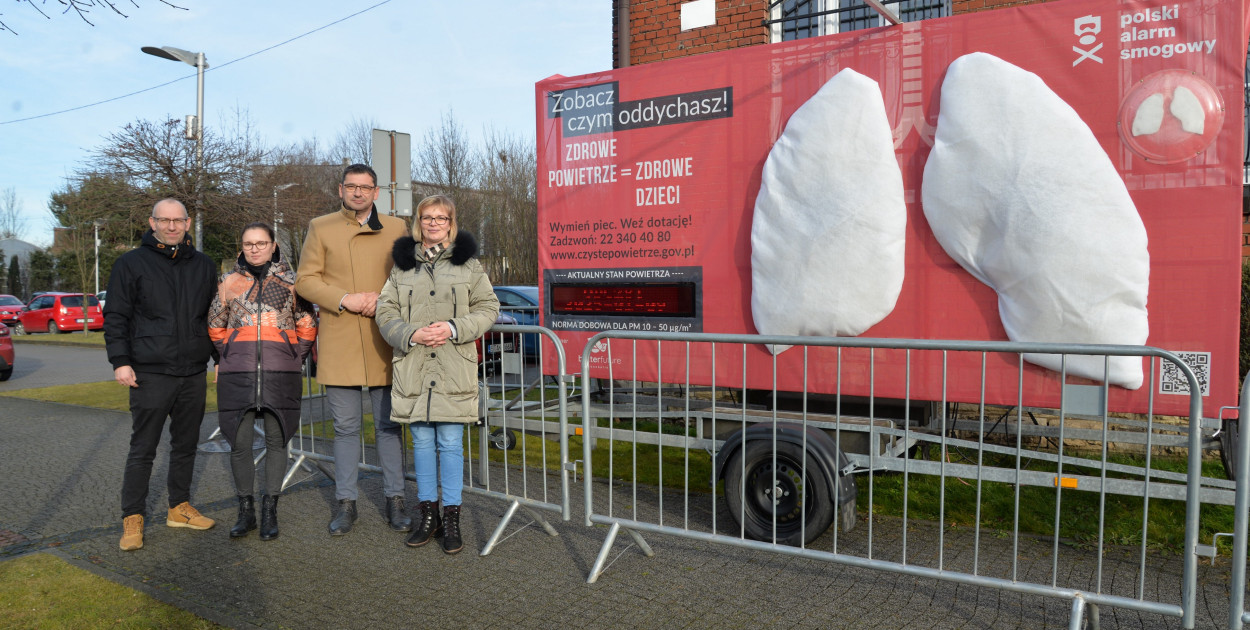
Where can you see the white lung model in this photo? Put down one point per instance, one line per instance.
(1019, 192)
(1149, 116)
(827, 235)
(1188, 109)
(1185, 107)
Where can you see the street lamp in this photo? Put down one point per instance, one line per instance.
(200, 63)
(276, 217)
(85, 300)
(97, 223)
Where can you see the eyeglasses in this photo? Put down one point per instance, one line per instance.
(351, 188)
(436, 220)
(163, 222)
(256, 246)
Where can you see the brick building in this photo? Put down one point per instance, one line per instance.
(651, 30)
(645, 31)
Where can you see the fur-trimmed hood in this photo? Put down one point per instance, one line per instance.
(404, 252)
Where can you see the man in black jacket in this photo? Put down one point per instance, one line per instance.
(156, 334)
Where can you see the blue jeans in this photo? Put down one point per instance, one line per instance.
(450, 460)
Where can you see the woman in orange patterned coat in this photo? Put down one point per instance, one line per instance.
(262, 331)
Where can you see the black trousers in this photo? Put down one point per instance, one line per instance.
(160, 396)
(241, 465)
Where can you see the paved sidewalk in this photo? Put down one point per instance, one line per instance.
(62, 471)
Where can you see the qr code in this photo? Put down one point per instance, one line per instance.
(1172, 381)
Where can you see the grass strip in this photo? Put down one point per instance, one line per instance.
(91, 339)
(40, 590)
(107, 394)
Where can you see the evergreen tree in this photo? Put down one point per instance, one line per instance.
(15, 278)
(42, 271)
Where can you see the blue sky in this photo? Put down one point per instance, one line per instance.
(402, 63)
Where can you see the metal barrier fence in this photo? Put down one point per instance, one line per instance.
(1237, 615)
(709, 462)
(784, 476)
(520, 445)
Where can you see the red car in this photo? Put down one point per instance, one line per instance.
(10, 309)
(6, 353)
(60, 312)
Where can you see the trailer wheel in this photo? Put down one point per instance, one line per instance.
(789, 499)
(1230, 436)
(503, 440)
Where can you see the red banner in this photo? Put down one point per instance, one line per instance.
(648, 178)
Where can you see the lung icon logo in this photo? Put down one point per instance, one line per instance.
(1087, 28)
(1171, 116)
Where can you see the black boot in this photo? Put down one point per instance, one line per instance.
(451, 529)
(428, 524)
(268, 517)
(396, 516)
(343, 519)
(247, 517)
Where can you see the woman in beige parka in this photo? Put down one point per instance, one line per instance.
(435, 304)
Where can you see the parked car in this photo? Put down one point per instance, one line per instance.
(521, 302)
(60, 312)
(10, 309)
(492, 345)
(100, 296)
(7, 355)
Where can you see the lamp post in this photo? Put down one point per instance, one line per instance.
(85, 300)
(97, 223)
(200, 63)
(276, 217)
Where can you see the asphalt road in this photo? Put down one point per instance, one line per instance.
(42, 365)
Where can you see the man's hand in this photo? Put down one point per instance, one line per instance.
(125, 375)
(371, 304)
(364, 303)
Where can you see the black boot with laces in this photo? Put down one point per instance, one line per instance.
(268, 517)
(428, 524)
(451, 529)
(247, 517)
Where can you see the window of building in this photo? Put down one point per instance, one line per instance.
(799, 19)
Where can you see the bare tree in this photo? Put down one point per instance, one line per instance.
(94, 202)
(445, 159)
(495, 190)
(353, 144)
(155, 158)
(507, 206)
(304, 186)
(11, 223)
(81, 7)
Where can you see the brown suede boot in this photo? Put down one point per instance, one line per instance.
(132, 532)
